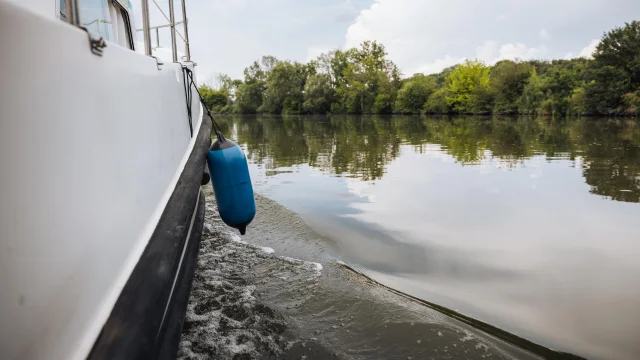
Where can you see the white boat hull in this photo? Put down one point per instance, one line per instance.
(91, 151)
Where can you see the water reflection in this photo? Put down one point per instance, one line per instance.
(608, 150)
(495, 217)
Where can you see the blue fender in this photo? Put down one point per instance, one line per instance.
(231, 184)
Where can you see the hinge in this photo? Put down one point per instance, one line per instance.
(159, 62)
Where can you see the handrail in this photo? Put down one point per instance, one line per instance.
(171, 25)
(174, 48)
(71, 10)
(145, 27)
(160, 26)
(169, 20)
(186, 31)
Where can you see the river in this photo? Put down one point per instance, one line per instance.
(529, 224)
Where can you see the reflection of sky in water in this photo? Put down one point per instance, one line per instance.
(525, 247)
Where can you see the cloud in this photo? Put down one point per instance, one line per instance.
(587, 52)
(544, 35)
(490, 53)
(520, 51)
(437, 66)
(427, 35)
(227, 35)
(315, 51)
(343, 12)
(226, 6)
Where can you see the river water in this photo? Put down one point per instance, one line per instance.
(530, 225)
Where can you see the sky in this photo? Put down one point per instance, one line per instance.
(419, 35)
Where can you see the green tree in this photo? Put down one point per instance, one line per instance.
(414, 93)
(338, 62)
(437, 102)
(228, 85)
(283, 87)
(386, 94)
(366, 81)
(620, 48)
(603, 93)
(249, 94)
(532, 95)
(353, 92)
(577, 102)
(468, 87)
(615, 70)
(248, 98)
(508, 80)
(632, 103)
(441, 77)
(318, 94)
(558, 83)
(215, 100)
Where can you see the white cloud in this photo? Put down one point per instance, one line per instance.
(315, 51)
(437, 66)
(587, 52)
(427, 35)
(544, 34)
(490, 53)
(228, 35)
(521, 52)
(343, 12)
(227, 6)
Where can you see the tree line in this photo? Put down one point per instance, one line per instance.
(365, 81)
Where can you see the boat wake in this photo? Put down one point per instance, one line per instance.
(249, 302)
(508, 337)
(224, 320)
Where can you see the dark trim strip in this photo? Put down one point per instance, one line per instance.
(135, 322)
(182, 255)
(169, 340)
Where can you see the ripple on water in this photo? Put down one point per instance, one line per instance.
(252, 301)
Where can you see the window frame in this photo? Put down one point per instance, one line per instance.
(124, 12)
(127, 22)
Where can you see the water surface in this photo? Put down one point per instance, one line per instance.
(532, 225)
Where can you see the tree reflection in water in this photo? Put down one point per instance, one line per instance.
(607, 150)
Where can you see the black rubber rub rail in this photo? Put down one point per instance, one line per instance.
(146, 320)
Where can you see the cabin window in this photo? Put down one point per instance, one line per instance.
(106, 18)
(95, 16)
(122, 25)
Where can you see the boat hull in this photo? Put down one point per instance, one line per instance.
(93, 150)
(147, 318)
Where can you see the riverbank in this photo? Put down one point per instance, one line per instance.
(280, 293)
(621, 116)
